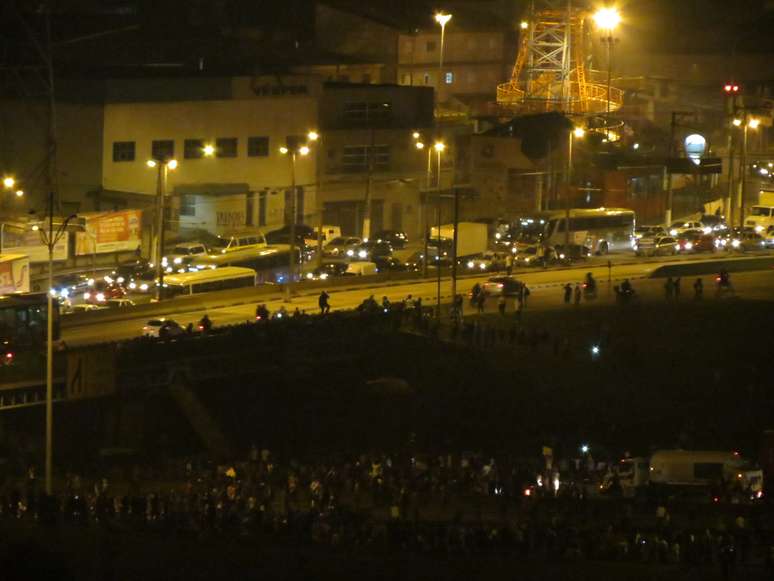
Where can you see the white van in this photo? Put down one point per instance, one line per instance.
(361, 268)
(761, 218)
(328, 234)
(235, 242)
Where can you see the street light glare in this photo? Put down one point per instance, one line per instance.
(439, 146)
(753, 123)
(209, 150)
(607, 18)
(9, 182)
(283, 150)
(415, 135)
(19, 193)
(151, 163)
(737, 122)
(442, 18)
(524, 25)
(313, 136)
(579, 132)
(172, 164)
(420, 145)
(303, 150)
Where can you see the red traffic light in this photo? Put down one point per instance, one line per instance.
(731, 88)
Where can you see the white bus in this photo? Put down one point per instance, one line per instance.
(600, 230)
(210, 279)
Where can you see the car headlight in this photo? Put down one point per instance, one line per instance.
(482, 266)
(132, 285)
(309, 275)
(350, 252)
(324, 276)
(86, 296)
(100, 297)
(64, 293)
(143, 287)
(688, 245)
(178, 260)
(707, 230)
(362, 254)
(673, 232)
(526, 260)
(735, 243)
(677, 247)
(759, 228)
(471, 264)
(120, 280)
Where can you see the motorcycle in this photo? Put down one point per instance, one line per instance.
(589, 291)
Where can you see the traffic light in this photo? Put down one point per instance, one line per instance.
(731, 88)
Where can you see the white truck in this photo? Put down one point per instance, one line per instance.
(472, 239)
(760, 216)
(14, 273)
(684, 468)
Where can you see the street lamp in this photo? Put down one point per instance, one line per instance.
(162, 169)
(297, 149)
(441, 19)
(439, 148)
(51, 238)
(607, 19)
(577, 133)
(208, 150)
(749, 123)
(9, 182)
(428, 178)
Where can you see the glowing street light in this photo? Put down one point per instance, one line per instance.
(419, 145)
(303, 150)
(607, 18)
(524, 25)
(9, 182)
(439, 146)
(737, 122)
(208, 150)
(19, 193)
(754, 123)
(416, 135)
(441, 19)
(579, 132)
(313, 135)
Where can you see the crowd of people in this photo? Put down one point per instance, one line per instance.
(430, 504)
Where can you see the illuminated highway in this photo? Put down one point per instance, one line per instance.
(545, 286)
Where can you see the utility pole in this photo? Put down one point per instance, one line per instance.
(676, 116)
(369, 180)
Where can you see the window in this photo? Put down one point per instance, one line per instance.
(193, 148)
(123, 151)
(354, 158)
(226, 147)
(257, 146)
(448, 77)
(363, 112)
(188, 205)
(163, 149)
(430, 46)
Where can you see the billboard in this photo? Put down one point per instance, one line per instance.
(109, 232)
(29, 242)
(14, 274)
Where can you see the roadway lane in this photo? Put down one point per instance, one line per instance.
(544, 284)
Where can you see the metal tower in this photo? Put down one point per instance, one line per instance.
(550, 73)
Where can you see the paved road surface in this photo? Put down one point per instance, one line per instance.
(545, 287)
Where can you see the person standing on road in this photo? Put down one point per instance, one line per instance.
(698, 289)
(481, 301)
(567, 293)
(501, 304)
(509, 264)
(325, 307)
(669, 288)
(577, 293)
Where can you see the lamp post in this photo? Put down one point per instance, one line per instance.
(607, 19)
(162, 171)
(293, 150)
(428, 178)
(438, 148)
(50, 237)
(576, 133)
(441, 19)
(749, 123)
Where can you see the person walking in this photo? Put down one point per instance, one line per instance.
(577, 293)
(501, 304)
(325, 306)
(567, 293)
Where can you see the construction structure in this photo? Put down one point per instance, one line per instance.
(551, 71)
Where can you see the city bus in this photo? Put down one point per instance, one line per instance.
(23, 319)
(207, 280)
(270, 263)
(601, 230)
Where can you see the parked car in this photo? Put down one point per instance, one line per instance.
(328, 269)
(698, 243)
(338, 247)
(183, 253)
(489, 261)
(658, 246)
(746, 240)
(394, 238)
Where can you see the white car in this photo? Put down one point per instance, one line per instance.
(681, 226)
(183, 254)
